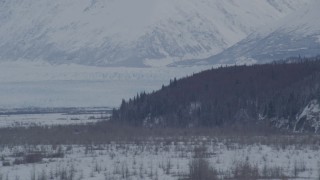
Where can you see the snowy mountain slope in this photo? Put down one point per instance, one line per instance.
(309, 119)
(130, 33)
(296, 35)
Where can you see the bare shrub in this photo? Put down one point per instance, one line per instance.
(29, 158)
(318, 177)
(97, 167)
(200, 152)
(18, 161)
(272, 172)
(299, 167)
(58, 154)
(33, 157)
(125, 171)
(168, 167)
(33, 173)
(96, 134)
(245, 171)
(43, 175)
(71, 172)
(200, 169)
(65, 173)
(6, 163)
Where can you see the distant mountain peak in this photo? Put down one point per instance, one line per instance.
(297, 34)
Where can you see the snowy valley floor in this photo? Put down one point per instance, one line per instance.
(39, 84)
(110, 152)
(69, 146)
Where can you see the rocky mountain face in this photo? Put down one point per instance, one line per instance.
(131, 33)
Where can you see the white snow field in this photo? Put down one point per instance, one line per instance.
(27, 120)
(12, 118)
(162, 160)
(26, 84)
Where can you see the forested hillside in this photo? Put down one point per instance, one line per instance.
(280, 94)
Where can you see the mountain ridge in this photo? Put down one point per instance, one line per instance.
(295, 35)
(127, 33)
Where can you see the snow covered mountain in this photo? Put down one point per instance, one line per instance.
(130, 33)
(296, 35)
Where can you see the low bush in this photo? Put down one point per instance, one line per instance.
(200, 169)
(245, 171)
(6, 163)
(29, 158)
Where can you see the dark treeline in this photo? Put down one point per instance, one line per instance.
(236, 95)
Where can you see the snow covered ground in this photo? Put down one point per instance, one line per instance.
(45, 117)
(160, 160)
(26, 84)
(27, 120)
